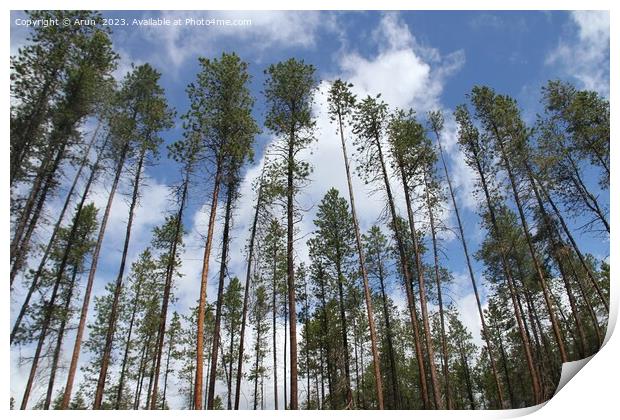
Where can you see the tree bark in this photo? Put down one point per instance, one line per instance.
(407, 278)
(107, 349)
(246, 294)
(91, 278)
(362, 262)
(204, 277)
(230, 193)
(485, 332)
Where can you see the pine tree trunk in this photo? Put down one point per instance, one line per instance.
(444, 344)
(246, 294)
(345, 342)
(91, 278)
(588, 198)
(107, 349)
(163, 396)
(471, 275)
(275, 347)
(566, 230)
(284, 356)
(423, 298)
(203, 290)
(121, 381)
(59, 337)
(362, 262)
(220, 291)
(167, 288)
(34, 205)
(509, 280)
(290, 269)
(49, 310)
(35, 280)
(407, 278)
(389, 334)
(541, 277)
(17, 265)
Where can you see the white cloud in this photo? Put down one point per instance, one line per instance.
(585, 56)
(268, 29)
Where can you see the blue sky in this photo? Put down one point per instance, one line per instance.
(422, 59)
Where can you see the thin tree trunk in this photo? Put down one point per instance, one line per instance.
(167, 289)
(407, 278)
(389, 335)
(509, 280)
(423, 298)
(59, 337)
(163, 396)
(35, 280)
(444, 344)
(275, 347)
(91, 278)
(121, 381)
(571, 239)
(362, 262)
(345, 341)
(290, 269)
(284, 357)
(246, 294)
(471, 274)
(109, 338)
(230, 193)
(204, 277)
(588, 197)
(18, 262)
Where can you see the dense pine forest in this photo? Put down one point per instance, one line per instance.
(365, 319)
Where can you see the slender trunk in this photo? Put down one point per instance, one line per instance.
(585, 298)
(290, 268)
(505, 364)
(109, 338)
(571, 239)
(471, 275)
(35, 280)
(324, 342)
(284, 364)
(246, 294)
(59, 274)
(587, 196)
(557, 247)
(163, 395)
(541, 276)
(407, 278)
(203, 289)
(220, 292)
(345, 342)
(18, 262)
(362, 262)
(167, 289)
(142, 368)
(91, 278)
(275, 347)
(444, 344)
(390, 343)
(59, 338)
(257, 351)
(49, 310)
(423, 298)
(509, 279)
(42, 185)
(230, 365)
(121, 381)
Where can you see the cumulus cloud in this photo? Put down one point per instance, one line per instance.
(268, 29)
(585, 54)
